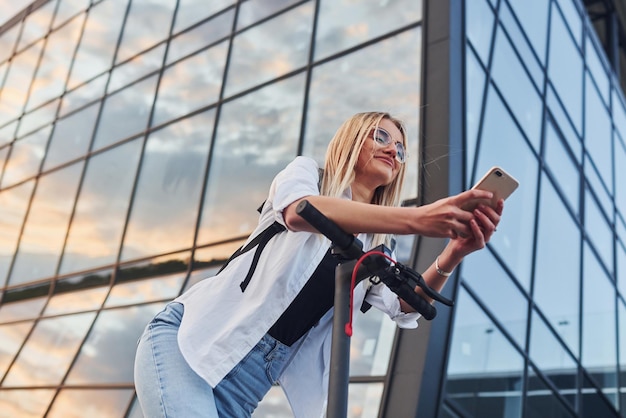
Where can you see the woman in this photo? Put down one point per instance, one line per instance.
(217, 349)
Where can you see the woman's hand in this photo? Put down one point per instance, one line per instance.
(484, 224)
(447, 218)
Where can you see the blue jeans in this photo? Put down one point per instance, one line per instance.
(167, 387)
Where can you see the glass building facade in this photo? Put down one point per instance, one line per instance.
(138, 137)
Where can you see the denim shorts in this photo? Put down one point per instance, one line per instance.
(167, 387)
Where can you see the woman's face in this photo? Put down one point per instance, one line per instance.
(378, 160)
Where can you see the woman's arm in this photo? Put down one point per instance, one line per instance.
(441, 219)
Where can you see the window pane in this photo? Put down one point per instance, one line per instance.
(474, 93)
(595, 60)
(599, 230)
(345, 23)
(264, 147)
(71, 136)
(557, 268)
(254, 10)
(566, 68)
(598, 132)
(371, 343)
(46, 226)
(202, 35)
(7, 133)
(483, 365)
(165, 208)
(7, 41)
(600, 360)
(514, 239)
(620, 177)
(150, 290)
(25, 403)
(96, 231)
(97, 45)
(68, 9)
(17, 81)
(562, 167)
(497, 291)
(36, 24)
(147, 23)
(621, 308)
(13, 205)
(552, 358)
(563, 121)
(25, 157)
(541, 402)
(367, 85)
(190, 84)
(533, 16)
(38, 118)
(517, 88)
(49, 351)
(270, 50)
(92, 403)
(83, 95)
(193, 11)
(125, 113)
(55, 63)
(136, 68)
(108, 354)
(12, 337)
(479, 21)
(22, 309)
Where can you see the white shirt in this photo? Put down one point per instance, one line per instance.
(221, 323)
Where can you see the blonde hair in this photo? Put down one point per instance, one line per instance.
(342, 155)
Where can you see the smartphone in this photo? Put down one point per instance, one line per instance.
(497, 181)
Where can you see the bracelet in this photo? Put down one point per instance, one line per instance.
(439, 271)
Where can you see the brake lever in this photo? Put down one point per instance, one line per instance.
(419, 281)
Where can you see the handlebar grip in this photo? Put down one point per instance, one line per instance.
(309, 213)
(407, 293)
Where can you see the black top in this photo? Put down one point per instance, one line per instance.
(314, 300)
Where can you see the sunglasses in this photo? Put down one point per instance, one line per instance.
(383, 138)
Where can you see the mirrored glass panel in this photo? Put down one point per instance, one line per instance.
(94, 403)
(190, 84)
(190, 12)
(553, 359)
(621, 271)
(599, 317)
(83, 95)
(496, 290)
(147, 23)
(25, 403)
(38, 118)
(514, 239)
(13, 205)
(254, 10)
(28, 305)
(214, 29)
(80, 293)
(37, 24)
(7, 133)
(517, 89)
(49, 351)
(557, 266)
(125, 113)
(533, 16)
(136, 68)
(8, 41)
(595, 57)
(165, 208)
(55, 63)
(621, 310)
(71, 136)
(25, 157)
(17, 81)
(46, 226)
(483, 366)
(565, 68)
(257, 132)
(342, 24)
(157, 266)
(541, 402)
(108, 354)
(564, 124)
(620, 177)
(150, 290)
(593, 403)
(599, 230)
(562, 167)
(68, 9)
(474, 93)
(479, 21)
(619, 113)
(270, 50)
(519, 39)
(12, 337)
(598, 139)
(367, 85)
(95, 234)
(98, 42)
